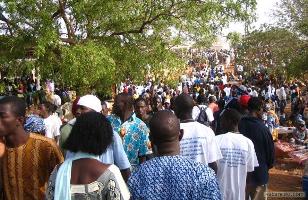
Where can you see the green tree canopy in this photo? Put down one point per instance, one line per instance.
(235, 39)
(276, 48)
(293, 15)
(283, 46)
(98, 42)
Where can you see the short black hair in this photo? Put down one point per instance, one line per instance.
(221, 103)
(49, 106)
(139, 100)
(212, 99)
(128, 99)
(255, 104)
(92, 133)
(201, 99)
(229, 119)
(18, 105)
(184, 104)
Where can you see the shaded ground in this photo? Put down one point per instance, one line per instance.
(286, 176)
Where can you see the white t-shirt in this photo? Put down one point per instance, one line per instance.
(56, 100)
(208, 111)
(122, 185)
(198, 143)
(196, 111)
(52, 124)
(209, 114)
(240, 68)
(224, 79)
(254, 93)
(239, 157)
(227, 91)
(283, 94)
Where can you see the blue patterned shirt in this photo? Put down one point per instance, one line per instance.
(135, 137)
(173, 177)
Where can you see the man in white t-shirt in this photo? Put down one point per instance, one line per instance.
(239, 157)
(253, 92)
(227, 90)
(51, 120)
(201, 104)
(224, 79)
(282, 97)
(53, 124)
(198, 142)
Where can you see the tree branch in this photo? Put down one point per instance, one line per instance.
(147, 22)
(68, 40)
(4, 19)
(67, 22)
(139, 30)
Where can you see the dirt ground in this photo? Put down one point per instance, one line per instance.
(286, 176)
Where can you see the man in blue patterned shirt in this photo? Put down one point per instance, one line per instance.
(170, 176)
(133, 131)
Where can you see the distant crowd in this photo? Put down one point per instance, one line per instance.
(211, 137)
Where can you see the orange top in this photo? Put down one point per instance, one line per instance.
(26, 169)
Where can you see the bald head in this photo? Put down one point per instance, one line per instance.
(183, 105)
(164, 127)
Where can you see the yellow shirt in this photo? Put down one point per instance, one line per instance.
(26, 169)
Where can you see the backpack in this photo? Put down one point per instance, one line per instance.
(202, 117)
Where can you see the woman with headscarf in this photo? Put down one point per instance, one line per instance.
(34, 124)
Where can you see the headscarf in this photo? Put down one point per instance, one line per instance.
(34, 124)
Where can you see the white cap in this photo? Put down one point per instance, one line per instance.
(90, 101)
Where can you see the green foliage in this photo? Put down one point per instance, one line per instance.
(283, 47)
(82, 67)
(293, 15)
(235, 39)
(276, 48)
(94, 43)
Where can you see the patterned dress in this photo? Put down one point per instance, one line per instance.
(135, 137)
(173, 177)
(107, 187)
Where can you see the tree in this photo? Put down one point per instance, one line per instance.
(283, 47)
(234, 38)
(293, 15)
(99, 42)
(276, 48)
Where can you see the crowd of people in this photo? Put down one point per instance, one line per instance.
(211, 137)
(29, 87)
